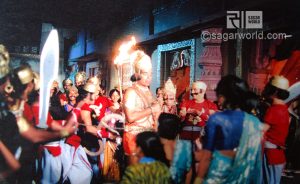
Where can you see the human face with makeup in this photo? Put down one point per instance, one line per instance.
(198, 91)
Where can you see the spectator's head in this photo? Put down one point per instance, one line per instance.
(233, 90)
(149, 145)
(169, 126)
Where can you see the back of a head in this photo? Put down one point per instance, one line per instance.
(151, 146)
(234, 90)
(169, 125)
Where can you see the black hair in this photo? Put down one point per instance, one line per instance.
(271, 90)
(169, 126)
(151, 146)
(159, 88)
(235, 91)
(82, 95)
(135, 77)
(111, 92)
(253, 105)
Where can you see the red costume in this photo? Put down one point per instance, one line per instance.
(196, 117)
(277, 116)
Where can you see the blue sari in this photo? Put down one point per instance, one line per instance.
(245, 167)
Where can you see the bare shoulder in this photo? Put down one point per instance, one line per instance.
(130, 92)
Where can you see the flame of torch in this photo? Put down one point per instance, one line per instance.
(123, 57)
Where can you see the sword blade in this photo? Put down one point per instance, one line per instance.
(49, 63)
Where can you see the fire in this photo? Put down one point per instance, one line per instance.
(124, 49)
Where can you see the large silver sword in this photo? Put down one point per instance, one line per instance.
(49, 63)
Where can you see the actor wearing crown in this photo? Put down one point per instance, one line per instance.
(140, 109)
(80, 79)
(277, 117)
(196, 112)
(169, 96)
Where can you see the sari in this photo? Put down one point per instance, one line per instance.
(245, 167)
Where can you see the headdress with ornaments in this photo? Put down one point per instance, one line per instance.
(67, 81)
(141, 61)
(80, 76)
(169, 87)
(4, 61)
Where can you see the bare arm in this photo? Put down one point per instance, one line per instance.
(11, 161)
(38, 135)
(86, 117)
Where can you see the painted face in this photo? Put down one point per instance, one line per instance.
(197, 93)
(169, 99)
(72, 95)
(67, 87)
(146, 77)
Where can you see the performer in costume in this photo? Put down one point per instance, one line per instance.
(278, 118)
(91, 134)
(169, 96)
(9, 134)
(140, 109)
(80, 78)
(23, 83)
(67, 84)
(62, 160)
(232, 143)
(72, 95)
(196, 112)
